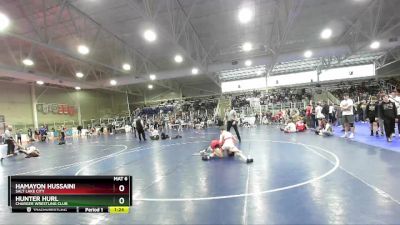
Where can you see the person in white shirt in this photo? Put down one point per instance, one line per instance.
(325, 130)
(331, 113)
(31, 151)
(228, 145)
(8, 136)
(396, 99)
(154, 135)
(348, 116)
(318, 113)
(289, 128)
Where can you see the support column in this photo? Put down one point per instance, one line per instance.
(34, 110)
(180, 93)
(127, 102)
(78, 107)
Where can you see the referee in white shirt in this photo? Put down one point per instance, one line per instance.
(232, 122)
(8, 136)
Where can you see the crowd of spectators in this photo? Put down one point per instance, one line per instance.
(275, 96)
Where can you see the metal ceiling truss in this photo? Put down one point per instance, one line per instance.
(314, 64)
(390, 57)
(368, 26)
(363, 30)
(285, 14)
(53, 22)
(178, 30)
(242, 73)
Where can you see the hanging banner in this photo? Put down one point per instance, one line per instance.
(45, 108)
(71, 110)
(65, 109)
(60, 108)
(54, 108)
(39, 107)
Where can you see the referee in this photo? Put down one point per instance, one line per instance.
(232, 122)
(8, 136)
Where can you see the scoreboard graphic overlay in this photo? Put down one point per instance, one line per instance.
(72, 194)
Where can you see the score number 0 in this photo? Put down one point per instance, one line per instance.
(121, 188)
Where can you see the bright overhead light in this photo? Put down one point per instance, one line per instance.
(150, 35)
(326, 33)
(375, 45)
(152, 77)
(113, 82)
(79, 74)
(308, 54)
(4, 22)
(40, 82)
(248, 63)
(195, 71)
(28, 62)
(77, 88)
(126, 66)
(245, 15)
(247, 46)
(178, 59)
(150, 86)
(83, 49)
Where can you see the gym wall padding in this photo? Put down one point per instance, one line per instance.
(16, 106)
(15, 103)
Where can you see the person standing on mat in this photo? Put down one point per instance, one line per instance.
(389, 114)
(347, 107)
(30, 135)
(395, 98)
(79, 128)
(140, 128)
(19, 137)
(379, 112)
(8, 136)
(134, 127)
(232, 122)
(372, 114)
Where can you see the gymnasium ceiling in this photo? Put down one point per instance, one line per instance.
(207, 33)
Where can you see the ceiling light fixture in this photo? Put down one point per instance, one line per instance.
(326, 33)
(308, 54)
(28, 62)
(150, 35)
(245, 15)
(152, 77)
(178, 59)
(126, 67)
(77, 88)
(40, 82)
(247, 46)
(79, 75)
(113, 82)
(83, 49)
(248, 63)
(375, 45)
(150, 86)
(195, 71)
(4, 21)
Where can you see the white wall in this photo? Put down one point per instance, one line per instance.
(347, 72)
(243, 85)
(293, 78)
